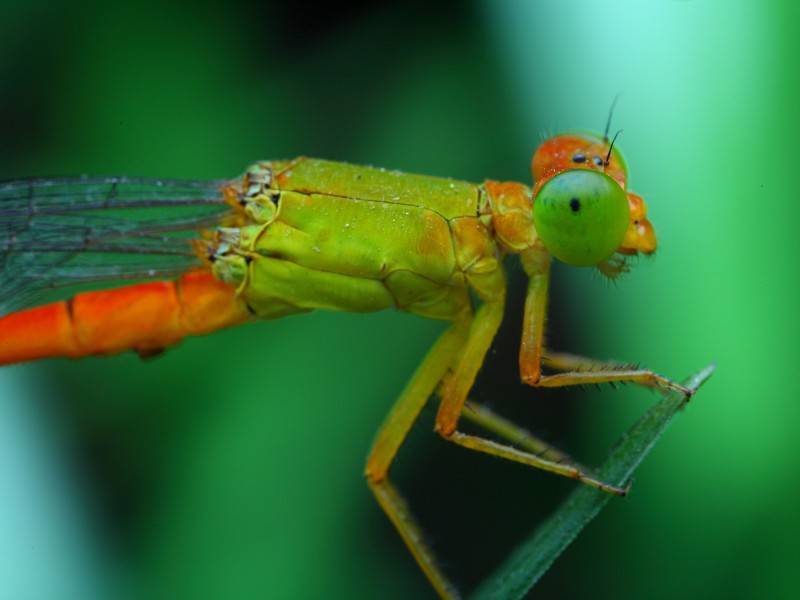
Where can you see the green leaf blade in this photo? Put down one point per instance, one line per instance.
(531, 559)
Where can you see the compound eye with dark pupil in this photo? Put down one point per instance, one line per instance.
(579, 158)
(598, 161)
(581, 216)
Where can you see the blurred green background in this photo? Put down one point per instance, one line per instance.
(231, 466)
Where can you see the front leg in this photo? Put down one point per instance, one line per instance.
(577, 370)
(536, 262)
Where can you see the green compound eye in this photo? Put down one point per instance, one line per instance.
(581, 216)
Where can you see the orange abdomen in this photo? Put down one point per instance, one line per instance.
(147, 318)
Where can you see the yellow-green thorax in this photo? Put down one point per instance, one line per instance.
(321, 234)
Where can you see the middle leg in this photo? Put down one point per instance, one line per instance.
(535, 452)
(457, 385)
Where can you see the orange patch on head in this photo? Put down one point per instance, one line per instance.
(640, 236)
(565, 152)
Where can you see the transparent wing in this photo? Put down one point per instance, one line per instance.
(71, 231)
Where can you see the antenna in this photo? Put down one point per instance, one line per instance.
(610, 114)
(610, 148)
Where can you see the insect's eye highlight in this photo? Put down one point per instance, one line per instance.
(581, 216)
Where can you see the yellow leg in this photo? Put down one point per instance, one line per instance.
(540, 454)
(580, 370)
(502, 451)
(457, 386)
(513, 433)
(536, 263)
(390, 437)
(454, 392)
